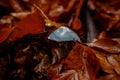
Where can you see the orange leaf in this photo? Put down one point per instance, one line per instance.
(5, 32)
(80, 64)
(33, 24)
(83, 58)
(106, 45)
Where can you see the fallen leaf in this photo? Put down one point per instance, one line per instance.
(110, 77)
(32, 24)
(5, 32)
(102, 59)
(16, 5)
(77, 66)
(106, 45)
(109, 62)
(114, 63)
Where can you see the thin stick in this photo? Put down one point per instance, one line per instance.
(79, 8)
(40, 11)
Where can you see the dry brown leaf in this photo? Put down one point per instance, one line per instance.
(110, 77)
(5, 32)
(115, 64)
(32, 24)
(80, 64)
(107, 45)
(102, 59)
(110, 63)
(117, 40)
(68, 75)
(16, 5)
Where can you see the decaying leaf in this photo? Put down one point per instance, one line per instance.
(16, 5)
(110, 77)
(102, 59)
(5, 32)
(107, 45)
(78, 65)
(114, 61)
(109, 62)
(32, 24)
(26, 53)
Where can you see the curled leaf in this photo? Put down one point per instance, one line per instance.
(110, 77)
(107, 45)
(78, 65)
(5, 32)
(32, 24)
